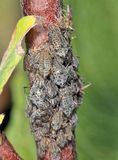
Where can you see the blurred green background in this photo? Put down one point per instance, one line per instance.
(96, 30)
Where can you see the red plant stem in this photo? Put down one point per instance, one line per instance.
(51, 12)
(7, 151)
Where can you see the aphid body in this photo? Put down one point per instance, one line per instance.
(52, 89)
(57, 40)
(44, 65)
(67, 103)
(37, 95)
(61, 139)
(40, 62)
(60, 75)
(57, 120)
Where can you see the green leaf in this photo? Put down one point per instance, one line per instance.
(15, 52)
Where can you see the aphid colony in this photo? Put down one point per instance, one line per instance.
(56, 91)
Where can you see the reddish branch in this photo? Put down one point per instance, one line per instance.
(66, 154)
(54, 140)
(7, 151)
(47, 9)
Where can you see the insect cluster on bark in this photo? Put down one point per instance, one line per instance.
(56, 91)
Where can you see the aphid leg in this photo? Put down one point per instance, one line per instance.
(68, 18)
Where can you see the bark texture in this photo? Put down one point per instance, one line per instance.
(55, 86)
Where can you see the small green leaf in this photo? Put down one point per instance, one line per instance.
(15, 52)
(1, 118)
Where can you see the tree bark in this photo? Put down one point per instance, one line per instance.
(55, 86)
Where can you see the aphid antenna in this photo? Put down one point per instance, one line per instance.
(86, 86)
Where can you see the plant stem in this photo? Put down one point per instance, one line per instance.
(55, 87)
(7, 151)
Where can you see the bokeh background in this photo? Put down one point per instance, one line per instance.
(96, 43)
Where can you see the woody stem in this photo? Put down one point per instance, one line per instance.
(55, 87)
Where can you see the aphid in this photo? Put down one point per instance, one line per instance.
(75, 62)
(36, 78)
(64, 91)
(60, 75)
(30, 108)
(71, 73)
(65, 122)
(41, 131)
(27, 65)
(62, 52)
(37, 95)
(74, 87)
(52, 89)
(68, 58)
(45, 115)
(32, 61)
(60, 78)
(67, 35)
(46, 106)
(54, 151)
(57, 65)
(42, 147)
(53, 133)
(68, 132)
(57, 40)
(55, 37)
(61, 139)
(35, 119)
(39, 117)
(57, 120)
(77, 99)
(45, 128)
(40, 62)
(67, 103)
(60, 60)
(38, 134)
(54, 101)
(44, 64)
(74, 120)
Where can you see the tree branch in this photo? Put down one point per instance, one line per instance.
(55, 87)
